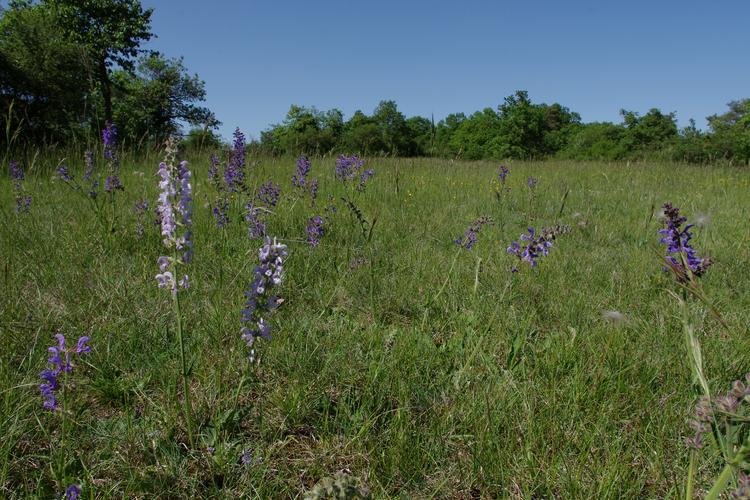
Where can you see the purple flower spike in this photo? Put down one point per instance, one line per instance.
(679, 251)
(535, 247)
(469, 238)
(266, 277)
(109, 139)
(175, 208)
(23, 201)
(502, 173)
(315, 230)
(61, 364)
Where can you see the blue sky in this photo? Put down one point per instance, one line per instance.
(596, 57)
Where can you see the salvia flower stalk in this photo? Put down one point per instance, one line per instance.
(681, 257)
(531, 247)
(23, 200)
(258, 209)
(722, 422)
(175, 213)
(61, 363)
(299, 179)
(469, 238)
(315, 230)
(502, 173)
(349, 168)
(261, 298)
(141, 215)
(234, 173)
(109, 140)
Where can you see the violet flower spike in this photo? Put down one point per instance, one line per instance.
(60, 359)
(175, 201)
(315, 230)
(259, 298)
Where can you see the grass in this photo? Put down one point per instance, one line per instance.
(410, 370)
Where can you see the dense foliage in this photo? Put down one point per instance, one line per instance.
(67, 67)
(518, 129)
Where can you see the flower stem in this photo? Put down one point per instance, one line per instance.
(721, 483)
(188, 407)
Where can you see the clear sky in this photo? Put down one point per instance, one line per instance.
(596, 57)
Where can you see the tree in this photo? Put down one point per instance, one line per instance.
(362, 135)
(731, 132)
(45, 76)
(112, 32)
(151, 103)
(392, 125)
(650, 131)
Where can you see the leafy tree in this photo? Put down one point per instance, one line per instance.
(420, 136)
(444, 133)
(730, 136)
(112, 32)
(650, 131)
(45, 76)
(150, 104)
(596, 141)
(202, 139)
(362, 135)
(392, 127)
(478, 136)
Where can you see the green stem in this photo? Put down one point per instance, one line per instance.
(691, 476)
(188, 407)
(721, 483)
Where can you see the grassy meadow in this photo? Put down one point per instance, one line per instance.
(418, 368)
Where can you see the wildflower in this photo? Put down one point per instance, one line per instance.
(268, 194)
(364, 177)
(679, 252)
(502, 173)
(246, 458)
(256, 220)
(112, 183)
(234, 174)
(551, 233)
(23, 200)
(535, 247)
(315, 230)
(721, 411)
(72, 492)
(532, 182)
(64, 174)
(299, 179)
(141, 210)
(213, 171)
(60, 360)
(175, 200)
(89, 159)
(266, 277)
(469, 238)
(743, 487)
(109, 139)
(348, 168)
(313, 189)
(220, 211)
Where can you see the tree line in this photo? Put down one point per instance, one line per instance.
(516, 129)
(67, 67)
